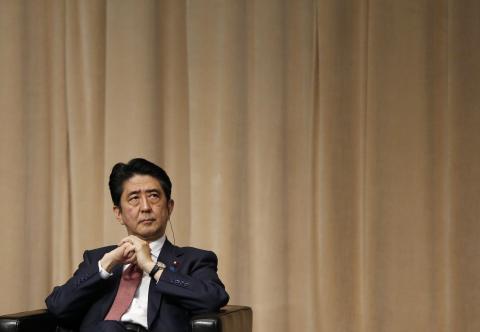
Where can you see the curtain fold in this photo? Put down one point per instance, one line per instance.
(325, 150)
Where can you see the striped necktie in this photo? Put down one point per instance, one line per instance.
(131, 278)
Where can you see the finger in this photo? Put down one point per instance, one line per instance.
(129, 251)
(119, 250)
(125, 240)
(134, 240)
(122, 250)
(131, 260)
(128, 245)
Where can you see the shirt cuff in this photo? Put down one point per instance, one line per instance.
(103, 274)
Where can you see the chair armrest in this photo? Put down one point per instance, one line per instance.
(28, 321)
(231, 318)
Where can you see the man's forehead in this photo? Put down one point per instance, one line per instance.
(141, 183)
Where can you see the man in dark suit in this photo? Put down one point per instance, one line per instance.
(168, 283)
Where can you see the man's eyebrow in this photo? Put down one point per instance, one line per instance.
(154, 190)
(133, 192)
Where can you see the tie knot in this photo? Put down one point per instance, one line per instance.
(132, 272)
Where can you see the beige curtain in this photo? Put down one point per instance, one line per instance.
(327, 151)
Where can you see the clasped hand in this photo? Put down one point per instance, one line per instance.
(130, 250)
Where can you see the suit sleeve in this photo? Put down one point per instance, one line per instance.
(199, 289)
(70, 301)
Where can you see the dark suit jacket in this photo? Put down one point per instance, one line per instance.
(189, 285)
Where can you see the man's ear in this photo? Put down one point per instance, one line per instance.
(118, 214)
(171, 203)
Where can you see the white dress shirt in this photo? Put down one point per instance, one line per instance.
(137, 312)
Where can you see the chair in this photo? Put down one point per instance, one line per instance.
(231, 318)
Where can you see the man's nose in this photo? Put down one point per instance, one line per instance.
(145, 204)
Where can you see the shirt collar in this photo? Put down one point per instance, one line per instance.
(156, 246)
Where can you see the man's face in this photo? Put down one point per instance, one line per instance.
(144, 207)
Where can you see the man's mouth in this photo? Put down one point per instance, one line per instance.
(147, 220)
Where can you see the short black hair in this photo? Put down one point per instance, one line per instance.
(138, 166)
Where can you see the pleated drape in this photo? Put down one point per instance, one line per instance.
(325, 150)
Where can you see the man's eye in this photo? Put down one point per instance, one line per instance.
(154, 196)
(133, 199)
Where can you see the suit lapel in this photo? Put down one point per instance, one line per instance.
(168, 256)
(115, 280)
